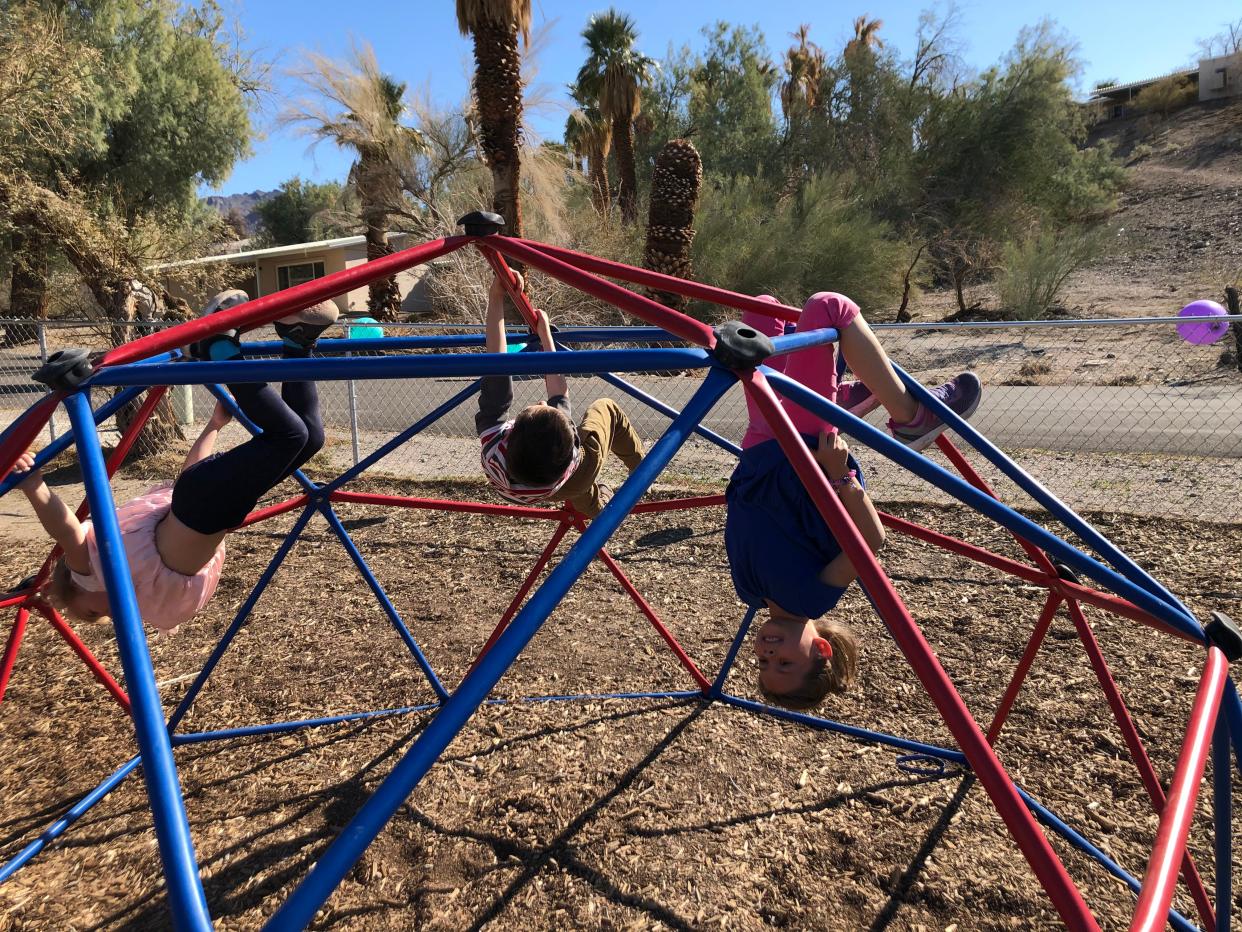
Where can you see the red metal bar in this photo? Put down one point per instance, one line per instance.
(516, 295)
(678, 504)
(23, 432)
(521, 593)
(1151, 912)
(1047, 867)
(682, 657)
(661, 282)
(84, 653)
(16, 633)
(271, 511)
(17, 598)
(689, 329)
(1027, 573)
(445, 504)
(1024, 666)
(266, 309)
(1138, 753)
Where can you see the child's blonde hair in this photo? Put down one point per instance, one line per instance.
(834, 674)
(61, 588)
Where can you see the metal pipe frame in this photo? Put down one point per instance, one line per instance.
(172, 830)
(343, 853)
(1142, 598)
(1048, 868)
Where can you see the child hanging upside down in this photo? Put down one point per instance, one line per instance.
(782, 555)
(539, 455)
(174, 534)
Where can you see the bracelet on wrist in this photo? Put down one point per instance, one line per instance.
(845, 480)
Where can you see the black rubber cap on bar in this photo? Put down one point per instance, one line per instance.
(741, 347)
(1223, 631)
(482, 223)
(65, 369)
(1066, 573)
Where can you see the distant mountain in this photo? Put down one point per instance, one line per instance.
(245, 204)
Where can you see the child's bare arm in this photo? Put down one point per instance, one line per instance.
(833, 458)
(205, 445)
(555, 384)
(494, 326)
(60, 523)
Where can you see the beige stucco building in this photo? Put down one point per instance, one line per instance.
(279, 267)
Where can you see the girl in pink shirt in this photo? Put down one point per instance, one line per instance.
(173, 534)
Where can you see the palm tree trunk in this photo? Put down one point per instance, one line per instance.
(498, 94)
(675, 184)
(627, 189)
(601, 197)
(28, 287)
(383, 295)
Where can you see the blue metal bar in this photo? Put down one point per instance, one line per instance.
(224, 734)
(1222, 803)
(472, 365)
(1045, 815)
(862, 734)
(172, 830)
(461, 340)
(240, 619)
(803, 339)
(417, 427)
(57, 446)
(239, 415)
(718, 686)
(381, 596)
(278, 728)
(1233, 713)
(1058, 509)
(601, 697)
(999, 512)
(62, 825)
(374, 814)
(656, 404)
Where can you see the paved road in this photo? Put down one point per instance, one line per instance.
(1192, 420)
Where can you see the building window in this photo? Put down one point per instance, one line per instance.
(289, 275)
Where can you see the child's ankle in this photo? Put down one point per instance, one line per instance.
(920, 413)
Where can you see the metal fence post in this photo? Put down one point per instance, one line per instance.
(353, 417)
(51, 422)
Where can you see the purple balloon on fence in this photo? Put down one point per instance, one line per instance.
(1202, 332)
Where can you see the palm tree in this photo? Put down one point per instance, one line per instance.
(614, 74)
(588, 135)
(865, 35)
(675, 185)
(360, 108)
(801, 91)
(495, 25)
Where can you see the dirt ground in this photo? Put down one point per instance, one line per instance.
(599, 814)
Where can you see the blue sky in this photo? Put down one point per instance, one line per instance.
(418, 42)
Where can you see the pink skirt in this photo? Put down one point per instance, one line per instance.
(166, 598)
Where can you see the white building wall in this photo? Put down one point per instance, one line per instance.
(1220, 77)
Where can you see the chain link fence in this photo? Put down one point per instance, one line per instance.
(1112, 416)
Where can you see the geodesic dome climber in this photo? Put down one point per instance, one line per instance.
(725, 355)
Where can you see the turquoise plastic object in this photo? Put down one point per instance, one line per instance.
(356, 332)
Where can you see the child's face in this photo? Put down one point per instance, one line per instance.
(88, 606)
(787, 651)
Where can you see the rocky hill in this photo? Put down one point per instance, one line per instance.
(1180, 219)
(245, 204)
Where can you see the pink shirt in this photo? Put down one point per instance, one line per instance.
(166, 598)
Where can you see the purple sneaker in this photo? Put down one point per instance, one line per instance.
(961, 394)
(856, 398)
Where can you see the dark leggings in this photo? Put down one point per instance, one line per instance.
(217, 493)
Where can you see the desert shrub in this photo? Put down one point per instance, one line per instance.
(1167, 94)
(1035, 268)
(823, 239)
